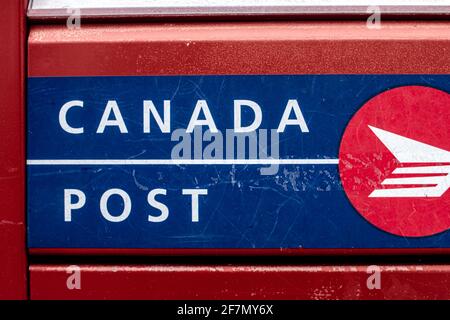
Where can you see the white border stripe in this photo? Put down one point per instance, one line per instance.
(124, 4)
(181, 161)
(191, 8)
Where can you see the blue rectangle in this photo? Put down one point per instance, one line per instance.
(298, 206)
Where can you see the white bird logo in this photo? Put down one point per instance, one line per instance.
(407, 150)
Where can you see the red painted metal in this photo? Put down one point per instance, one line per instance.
(241, 282)
(13, 267)
(308, 47)
(302, 47)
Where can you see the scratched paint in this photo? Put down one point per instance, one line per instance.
(297, 206)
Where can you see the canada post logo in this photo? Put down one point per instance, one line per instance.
(395, 161)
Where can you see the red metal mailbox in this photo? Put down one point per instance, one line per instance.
(272, 135)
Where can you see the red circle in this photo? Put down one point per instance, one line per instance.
(415, 112)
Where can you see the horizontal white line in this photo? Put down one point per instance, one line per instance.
(423, 170)
(197, 4)
(180, 161)
(177, 8)
(415, 180)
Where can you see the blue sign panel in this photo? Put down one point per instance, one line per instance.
(201, 162)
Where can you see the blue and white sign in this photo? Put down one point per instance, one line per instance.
(199, 162)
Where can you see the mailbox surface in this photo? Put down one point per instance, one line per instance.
(239, 136)
(242, 282)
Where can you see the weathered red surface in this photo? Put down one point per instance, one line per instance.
(283, 47)
(13, 267)
(311, 47)
(241, 282)
(308, 47)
